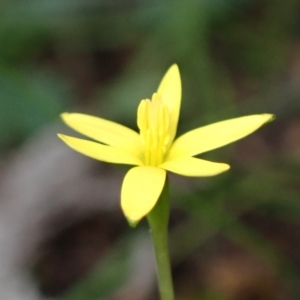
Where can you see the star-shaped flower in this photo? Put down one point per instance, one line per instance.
(153, 150)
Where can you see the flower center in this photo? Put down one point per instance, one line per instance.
(153, 122)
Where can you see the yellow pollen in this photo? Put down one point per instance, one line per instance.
(153, 122)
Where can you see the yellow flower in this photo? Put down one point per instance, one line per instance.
(154, 150)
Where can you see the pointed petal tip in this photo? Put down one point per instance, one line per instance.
(270, 117)
(173, 70)
(66, 115)
(175, 67)
(61, 136)
(132, 223)
(62, 115)
(267, 118)
(226, 167)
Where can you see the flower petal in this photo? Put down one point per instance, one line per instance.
(170, 91)
(104, 131)
(191, 166)
(101, 152)
(216, 135)
(140, 191)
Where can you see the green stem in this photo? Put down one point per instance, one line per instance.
(158, 220)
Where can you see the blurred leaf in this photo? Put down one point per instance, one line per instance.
(27, 101)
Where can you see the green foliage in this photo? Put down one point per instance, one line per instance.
(27, 101)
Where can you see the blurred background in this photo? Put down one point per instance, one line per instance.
(62, 233)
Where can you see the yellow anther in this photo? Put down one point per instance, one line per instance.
(153, 122)
(142, 119)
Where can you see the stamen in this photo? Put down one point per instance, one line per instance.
(153, 122)
(142, 119)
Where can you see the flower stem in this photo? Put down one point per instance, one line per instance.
(158, 220)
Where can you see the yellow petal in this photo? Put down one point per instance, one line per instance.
(191, 166)
(170, 91)
(104, 131)
(216, 135)
(101, 152)
(141, 189)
